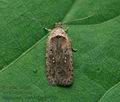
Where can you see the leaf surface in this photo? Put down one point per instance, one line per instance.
(96, 63)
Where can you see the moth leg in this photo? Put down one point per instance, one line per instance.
(74, 50)
(49, 30)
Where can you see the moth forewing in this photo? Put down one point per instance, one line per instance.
(59, 57)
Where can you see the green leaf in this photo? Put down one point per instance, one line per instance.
(94, 31)
(112, 95)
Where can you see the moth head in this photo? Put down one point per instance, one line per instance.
(58, 30)
(58, 24)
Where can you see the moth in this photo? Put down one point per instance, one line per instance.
(59, 68)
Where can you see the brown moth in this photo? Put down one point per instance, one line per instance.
(59, 57)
